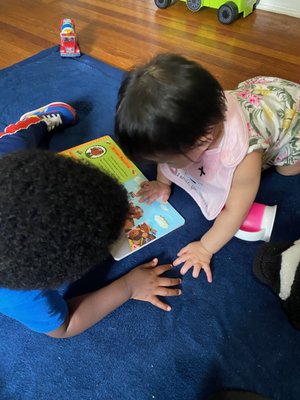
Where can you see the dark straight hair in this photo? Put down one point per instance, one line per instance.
(166, 105)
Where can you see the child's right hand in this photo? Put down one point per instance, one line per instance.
(150, 191)
(197, 256)
(145, 283)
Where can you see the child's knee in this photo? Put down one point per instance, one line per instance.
(289, 170)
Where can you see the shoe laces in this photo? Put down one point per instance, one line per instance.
(52, 120)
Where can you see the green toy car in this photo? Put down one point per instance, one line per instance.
(228, 11)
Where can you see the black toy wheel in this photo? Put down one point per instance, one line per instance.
(256, 4)
(193, 5)
(228, 13)
(163, 3)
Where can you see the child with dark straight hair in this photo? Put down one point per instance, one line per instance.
(58, 218)
(213, 143)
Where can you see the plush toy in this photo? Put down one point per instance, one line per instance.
(278, 265)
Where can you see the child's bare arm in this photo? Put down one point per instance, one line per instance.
(243, 191)
(142, 283)
(161, 178)
(242, 194)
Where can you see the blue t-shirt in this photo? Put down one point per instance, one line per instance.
(40, 310)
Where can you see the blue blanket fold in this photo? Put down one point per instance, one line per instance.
(228, 334)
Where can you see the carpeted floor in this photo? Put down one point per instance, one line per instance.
(230, 334)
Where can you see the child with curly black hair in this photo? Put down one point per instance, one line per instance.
(58, 218)
(214, 144)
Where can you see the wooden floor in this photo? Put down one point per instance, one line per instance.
(126, 32)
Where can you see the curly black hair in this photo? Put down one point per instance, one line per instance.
(166, 105)
(58, 218)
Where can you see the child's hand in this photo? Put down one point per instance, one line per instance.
(194, 254)
(144, 283)
(150, 191)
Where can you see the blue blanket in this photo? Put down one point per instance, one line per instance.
(228, 334)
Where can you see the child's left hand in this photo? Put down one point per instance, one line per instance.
(194, 254)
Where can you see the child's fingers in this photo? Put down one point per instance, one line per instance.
(145, 187)
(144, 196)
(145, 184)
(169, 281)
(160, 269)
(163, 291)
(140, 192)
(208, 273)
(180, 259)
(159, 304)
(207, 270)
(152, 198)
(151, 264)
(186, 266)
(148, 196)
(165, 197)
(196, 271)
(182, 251)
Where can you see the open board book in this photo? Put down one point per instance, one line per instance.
(145, 223)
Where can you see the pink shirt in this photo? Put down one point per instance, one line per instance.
(208, 180)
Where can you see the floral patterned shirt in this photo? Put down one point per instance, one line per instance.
(272, 110)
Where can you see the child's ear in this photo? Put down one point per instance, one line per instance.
(209, 137)
(205, 139)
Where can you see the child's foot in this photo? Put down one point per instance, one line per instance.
(56, 115)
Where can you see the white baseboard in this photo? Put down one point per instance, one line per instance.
(288, 7)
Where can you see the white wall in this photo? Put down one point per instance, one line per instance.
(289, 7)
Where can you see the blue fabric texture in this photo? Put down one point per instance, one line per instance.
(40, 310)
(228, 334)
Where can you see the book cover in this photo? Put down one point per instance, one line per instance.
(145, 223)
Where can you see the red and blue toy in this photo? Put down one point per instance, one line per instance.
(68, 43)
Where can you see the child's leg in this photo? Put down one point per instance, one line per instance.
(34, 126)
(289, 170)
(22, 135)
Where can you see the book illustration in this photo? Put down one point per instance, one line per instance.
(145, 223)
(95, 151)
